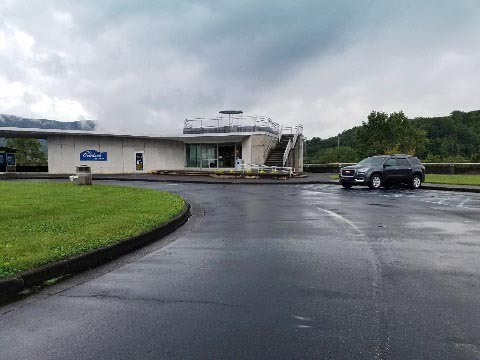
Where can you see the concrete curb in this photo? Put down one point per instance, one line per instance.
(222, 182)
(77, 263)
(176, 180)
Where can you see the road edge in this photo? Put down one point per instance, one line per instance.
(11, 286)
(293, 181)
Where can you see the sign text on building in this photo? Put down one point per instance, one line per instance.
(93, 155)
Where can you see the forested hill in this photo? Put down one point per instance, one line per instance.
(454, 135)
(453, 138)
(15, 121)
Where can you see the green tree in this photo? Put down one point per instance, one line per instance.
(389, 134)
(29, 151)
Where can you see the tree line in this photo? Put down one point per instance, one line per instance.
(453, 138)
(29, 151)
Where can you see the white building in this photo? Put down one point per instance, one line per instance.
(206, 144)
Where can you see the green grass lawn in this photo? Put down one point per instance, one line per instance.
(453, 179)
(44, 222)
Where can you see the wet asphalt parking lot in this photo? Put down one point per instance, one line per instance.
(277, 272)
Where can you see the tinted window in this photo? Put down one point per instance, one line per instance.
(391, 162)
(373, 160)
(415, 161)
(402, 162)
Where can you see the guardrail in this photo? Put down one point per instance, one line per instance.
(231, 124)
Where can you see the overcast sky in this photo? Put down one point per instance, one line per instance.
(144, 66)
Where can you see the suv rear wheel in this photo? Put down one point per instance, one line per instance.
(416, 182)
(375, 182)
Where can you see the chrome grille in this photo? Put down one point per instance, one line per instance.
(348, 172)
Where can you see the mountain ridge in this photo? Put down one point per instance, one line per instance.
(21, 122)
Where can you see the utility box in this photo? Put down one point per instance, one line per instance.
(239, 164)
(84, 175)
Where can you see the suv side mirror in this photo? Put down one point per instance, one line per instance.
(386, 165)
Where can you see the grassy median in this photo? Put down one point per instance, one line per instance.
(453, 179)
(44, 222)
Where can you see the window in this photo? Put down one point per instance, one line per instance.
(208, 156)
(193, 155)
(373, 160)
(403, 162)
(391, 162)
(415, 161)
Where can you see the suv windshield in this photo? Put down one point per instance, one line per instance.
(373, 160)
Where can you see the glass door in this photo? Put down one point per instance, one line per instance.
(209, 156)
(139, 161)
(193, 154)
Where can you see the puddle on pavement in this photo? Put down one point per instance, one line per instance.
(458, 228)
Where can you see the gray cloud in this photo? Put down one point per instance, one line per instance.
(148, 65)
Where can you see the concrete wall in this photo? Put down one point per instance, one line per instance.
(257, 146)
(64, 154)
(298, 156)
(247, 150)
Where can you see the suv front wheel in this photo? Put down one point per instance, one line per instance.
(416, 182)
(375, 182)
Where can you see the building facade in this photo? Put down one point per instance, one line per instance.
(206, 144)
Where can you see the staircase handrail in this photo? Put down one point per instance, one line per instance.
(267, 151)
(299, 131)
(287, 152)
(292, 143)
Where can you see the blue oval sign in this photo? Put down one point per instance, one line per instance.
(93, 155)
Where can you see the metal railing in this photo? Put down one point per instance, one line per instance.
(292, 143)
(264, 169)
(287, 152)
(231, 124)
(267, 151)
(298, 132)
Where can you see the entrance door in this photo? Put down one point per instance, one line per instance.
(209, 156)
(226, 156)
(139, 161)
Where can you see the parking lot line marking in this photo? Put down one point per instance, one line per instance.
(341, 218)
(463, 203)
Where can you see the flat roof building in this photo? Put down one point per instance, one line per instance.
(206, 144)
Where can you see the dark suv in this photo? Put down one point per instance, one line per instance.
(384, 170)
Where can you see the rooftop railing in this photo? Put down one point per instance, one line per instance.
(231, 124)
